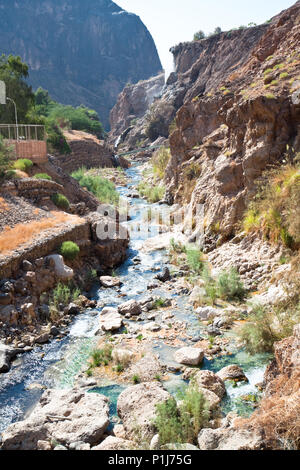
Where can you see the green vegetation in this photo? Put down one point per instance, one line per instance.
(102, 188)
(102, 357)
(160, 161)
(5, 159)
(270, 96)
(199, 35)
(194, 259)
(159, 303)
(275, 211)
(229, 286)
(182, 423)
(283, 75)
(23, 164)
(151, 193)
(266, 326)
(60, 201)
(14, 73)
(69, 250)
(136, 379)
(80, 118)
(42, 176)
(64, 294)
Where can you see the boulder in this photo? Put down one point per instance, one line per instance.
(62, 272)
(208, 313)
(108, 281)
(189, 356)
(122, 356)
(9, 315)
(110, 319)
(230, 439)
(115, 443)
(164, 276)
(137, 408)
(7, 354)
(210, 381)
(232, 372)
(64, 416)
(212, 399)
(148, 368)
(132, 308)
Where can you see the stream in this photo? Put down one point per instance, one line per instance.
(56, 364)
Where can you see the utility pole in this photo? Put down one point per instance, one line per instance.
(16, 116)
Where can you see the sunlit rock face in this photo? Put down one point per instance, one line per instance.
(82, 52)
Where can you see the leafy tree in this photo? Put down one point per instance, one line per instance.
(218, 30)
(14, 72)
(5, 157)
(199, 35)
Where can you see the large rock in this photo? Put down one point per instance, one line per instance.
(208, 313)
(7, 354)
(189, 356)
(9, 315)
(132, 308)
(110, 319)
(109, 281)
(64, 416)
(232, 372)
(115, 443)
(210, 381)
(148, 368)
(230, 439)
(62, 272)
(137, 408)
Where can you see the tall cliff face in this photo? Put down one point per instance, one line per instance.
(82, 52)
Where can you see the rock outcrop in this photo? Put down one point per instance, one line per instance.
(62, 416)
(81, 53)
(137, 408)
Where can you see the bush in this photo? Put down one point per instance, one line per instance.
(42, 176)
(199, 35)
(182, 424)
(60, 201)
(23, 164)
(55, 138)
(194, 260)
(266, 326)
(64, 294)
(69, 250)
(5, 158)
(102, 356)
(160, 161)
(151, 193)
(104, 190)
(229, 286)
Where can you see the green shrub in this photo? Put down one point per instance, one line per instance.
(136, 379)
(199, 35)
(60, 201)
(64, 294)
(151, 193)
(160, 161)
(104, 190)
(5, 158)
(42, 176)
(23, 164)
(229, 286)
(55, 138)
(266, 326)
(69, 250)
(102, 356)
(182, 424)
(194, 260)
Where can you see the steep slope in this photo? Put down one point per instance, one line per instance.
(234, 130)
(82, 52)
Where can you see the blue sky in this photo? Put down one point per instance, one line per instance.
(174, 21)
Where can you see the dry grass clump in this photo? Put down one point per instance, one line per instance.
(279, 415)
(12, 238)
(3, 205)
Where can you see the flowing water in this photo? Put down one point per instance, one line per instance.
(57, 363)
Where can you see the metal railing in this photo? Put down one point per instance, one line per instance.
(22, 132)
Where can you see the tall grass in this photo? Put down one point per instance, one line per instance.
(275, 212)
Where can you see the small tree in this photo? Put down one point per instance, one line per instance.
(5, 157)
(199, 35)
